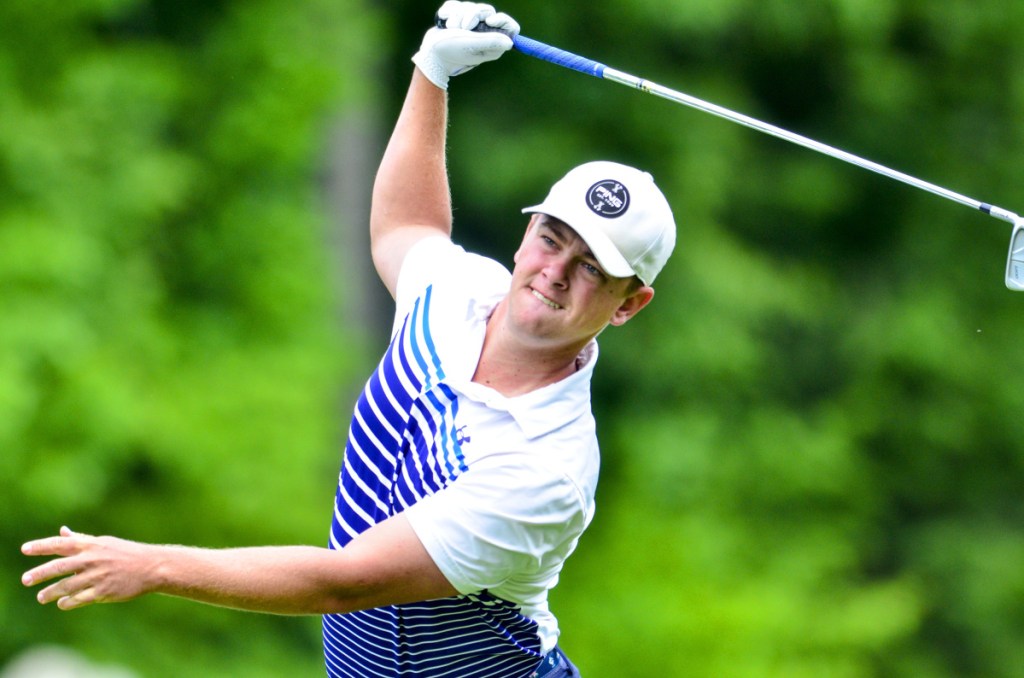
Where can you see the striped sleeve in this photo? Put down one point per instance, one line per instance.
(423, 263)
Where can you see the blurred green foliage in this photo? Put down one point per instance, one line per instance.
(170, 360)
(813, 448)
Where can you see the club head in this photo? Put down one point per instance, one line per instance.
(1015, 258)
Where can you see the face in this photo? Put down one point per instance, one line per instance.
(560, 295)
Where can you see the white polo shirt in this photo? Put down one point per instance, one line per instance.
(498, 489)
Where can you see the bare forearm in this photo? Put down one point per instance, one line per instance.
(411, 186)
(273, 579)
(410, 195)
(385, 565)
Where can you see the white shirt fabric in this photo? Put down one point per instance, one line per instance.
(509, 522)
(498, 489)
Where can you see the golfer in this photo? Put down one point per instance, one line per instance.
(471, 462)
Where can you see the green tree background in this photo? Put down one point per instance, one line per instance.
(813, 446)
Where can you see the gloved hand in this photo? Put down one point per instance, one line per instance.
(457, 48)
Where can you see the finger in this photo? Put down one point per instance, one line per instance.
(81, 598)
(465, 15)
(448, 9)
(466, 22)
(52, 593)
(59, 589)
(51, 546)
(487, 45)
(471, 21)
(503, 22)
(47, 571)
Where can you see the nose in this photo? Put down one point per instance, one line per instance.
(557, 271)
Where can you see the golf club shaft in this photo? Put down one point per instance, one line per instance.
(575, 62)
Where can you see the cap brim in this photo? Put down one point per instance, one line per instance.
(605, 251)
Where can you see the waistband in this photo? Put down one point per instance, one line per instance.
(552, 660)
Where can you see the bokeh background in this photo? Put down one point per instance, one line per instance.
(813, 441)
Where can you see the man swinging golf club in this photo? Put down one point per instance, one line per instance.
(471, 463)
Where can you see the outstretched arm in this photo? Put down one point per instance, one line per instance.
(410, 195)
(385, 565)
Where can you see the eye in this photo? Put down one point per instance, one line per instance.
(592, 270)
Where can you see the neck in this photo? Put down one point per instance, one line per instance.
(514, 367)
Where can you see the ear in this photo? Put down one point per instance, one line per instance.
(529, 227)
(632, 305)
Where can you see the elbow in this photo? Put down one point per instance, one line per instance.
(351, 598)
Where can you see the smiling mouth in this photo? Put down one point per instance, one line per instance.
(544, 299)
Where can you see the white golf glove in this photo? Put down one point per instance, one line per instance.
(457, 48)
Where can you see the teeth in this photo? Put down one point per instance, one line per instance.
(545, 299)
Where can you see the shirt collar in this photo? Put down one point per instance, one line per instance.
(548, 408)
(555, 405)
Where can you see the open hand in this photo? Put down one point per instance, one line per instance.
(91, 569)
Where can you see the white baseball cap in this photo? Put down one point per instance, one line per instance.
(619, 213)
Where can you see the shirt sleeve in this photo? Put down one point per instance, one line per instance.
(422, 262)
(507, 515)
(438, 260)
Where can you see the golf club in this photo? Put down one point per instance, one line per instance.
(1015, 260)
(560, 57)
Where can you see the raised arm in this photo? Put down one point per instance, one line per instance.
(410, 195)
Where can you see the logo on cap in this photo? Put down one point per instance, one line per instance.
(608, 199)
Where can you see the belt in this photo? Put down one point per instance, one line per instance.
(552, 660)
